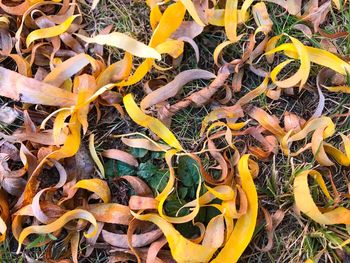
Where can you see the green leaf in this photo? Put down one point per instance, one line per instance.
(147, 170)
(124, 169)
(158, 182)
(188, 171)
(155, 178)
(182, 192)
(172, 206)
(36, 242)
(117, 168)
(157, 155)
(52, 237)
(188, 230)
(215, 174)
(138, 152)
(188, 174)
(212, 211)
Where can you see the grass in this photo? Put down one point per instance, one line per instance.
(7, 254)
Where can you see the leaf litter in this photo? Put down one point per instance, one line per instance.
(177, 206)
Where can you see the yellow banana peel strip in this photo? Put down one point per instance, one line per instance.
(4, 215)
(3, 229)
(121, 69)
(215, 233)
(245, 225)
(188, 4)
(261, 17)
(342, 89)
(322, 128)
(346, 142)
(237, 126)
(155, 16)
(318, 149)
(339, 156)
(253, 93)
(244, 9)
(86, 86)
(314, 124)
(170, 184)
(172, 47)
(337, 3)
(219, 48)
(58, 224)
(124, 42)
(155, 125)
(269, 122)
(306, 204)
(169, 22)
(231, 19)
(97, 186)
(233, 112)
(72, 143)
(50, 31)
(144, 143)
(316, 55)
(182, 249)
(222, 192)
(95, 156)
(271, 44)
(161, 197)
(59, 124)
(68, 68)
(301, 76)
(182, 219)
(138, 75)
(216, 17)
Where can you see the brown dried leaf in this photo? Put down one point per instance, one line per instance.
(20, 88)
(140, 240)
(120, 156)
(272, 222)
(172, 88)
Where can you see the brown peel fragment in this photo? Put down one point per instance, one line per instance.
(142, 203)
(272, 222)
(139, 186)
(140, 240)
(173, 87)
(197, 99)
(121, 156)
(20, 88)
(111, 213)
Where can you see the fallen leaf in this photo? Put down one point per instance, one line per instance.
(124, 42)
